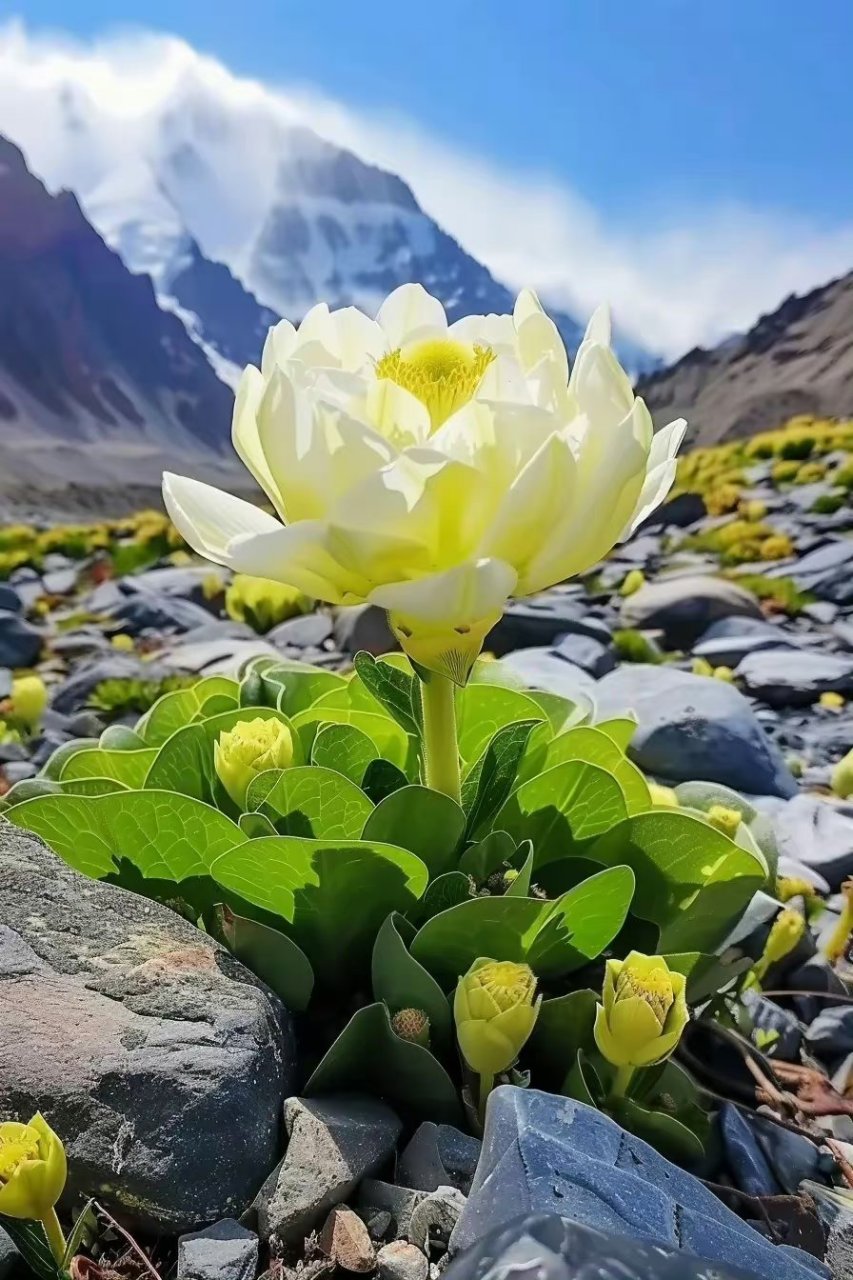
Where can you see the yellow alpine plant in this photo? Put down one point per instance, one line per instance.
(434, 470)
(495, 1009)
(250, 748)
(33, 1172)
(643, 1013)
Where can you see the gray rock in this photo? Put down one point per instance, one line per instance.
(746, 1161)
(767, 1015)
(400, 1260)
(830, 1036)
(821, 611)
(363, 626)
(692, 727)
(10, 601)
(307, 632)
(438, 1155)
(10, 1259)
(17, 770)
(542, 669)
(538, 621)
(225, 1251)
(549, 1154)
(155, 611)
(346, 1242)
(216, 657)
(818, 833)
(728, 651)
(73, 694)
(435, 1217)
(593, 657)
(188, 582)
(682, 510)
(60, 582)
(385, 1197)
(836, 1214)
(684, 607)
(5, 682)
(783, 678)
(333, 1144)
(159, 1060)
(792, 1156)
(546, 1247)
(20, 644)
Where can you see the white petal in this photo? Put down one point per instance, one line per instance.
(535, 504)
(244, 431)
(598, 329)
(397, 415)
(496, 332)
(298, 556)
(660, 475)
(601, 387)
(209, 519)
(462, 594)
(359, 340)
(278, 347)
(410, 314)
(538, 337)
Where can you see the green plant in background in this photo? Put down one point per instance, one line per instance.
(120, 696)
(263, 604)
(781, 594)
(633, 646)
(827, 504)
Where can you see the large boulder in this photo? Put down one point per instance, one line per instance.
(693, 727)
(161, 1062)
(548, 1154)
(682, 607)
(20, 644)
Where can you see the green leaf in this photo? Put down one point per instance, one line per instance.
(269, 954)
(564, 1026)
(31, 1242)
(491, 779)
(396, 690)
(666, 1133)
(553, 937)
(483, 709)
(707, 974)
(255, 825)
(621, 729)
(427, 822)
(386, 735)
(117, 737)
(302, 685)
(92, 786)
(520, 886)
(595, 747)
(381, 779)
(443, 892)
(312, 802)
(582, 1082)
(185, 762)
(344, 748)
(562, 712)
(127, 767)
(57, 762)
(480, 860)
(693, 882)
(368, 1056)
(402, 983)
(165, 836)
(563, 809)
(174, 710)
(332, 897)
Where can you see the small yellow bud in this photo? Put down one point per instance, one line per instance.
(788, 887)
(633, 580)
(33, 1169)
(724, 673)
(248, 749)
(786, 931)
(29, 699)
(725, 820)
(495, 1009)
(842, 776)
(839, 939)
(832, 701)
(644, 1011)
(123, 643)
(663, 797)
(701, 667)
(412, 1025)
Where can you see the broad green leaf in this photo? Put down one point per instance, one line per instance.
(315, 803)
(621, 729)
(480, 860)
(255, 825)
(428, 823)
(402, 983)
(666, 1133)
(344, 748)
(381, 779)
(269, 954)
(330, 896)
(127, 767)
(57, 762)
(389, 739)
(369, 1056)
(565, 1025)
(553, 937)
(596, 747)
(483, 709)
(174, 710)
(442, 892)
(302, 685)
(562, 809)
(492, 777)
(582, 1082)
(31, 1242)
(397, 691)
(117, 737)
(92, 786)
(29, 788)
(164, 835)
(693, 882)
(562, 712)
(520, 886)
(185, 762)
(707, 974)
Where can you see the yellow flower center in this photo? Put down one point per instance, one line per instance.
(442, 373)
(508, 984)
(655, 987)
(17, 1151)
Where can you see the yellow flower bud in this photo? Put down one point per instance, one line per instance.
(123, 643)
(29, 699)
(33, 1169)
(412, 1025)
(644, 1011)
(831, 700)
(786, 931)
(839, 939)
(724, 819)
(842, 777)
(701, 667)
(788, 887)
(248, 749)
(725, 674)
(663, 797)
(495, 1009)
(633, 580)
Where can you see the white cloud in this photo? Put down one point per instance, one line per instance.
(80, 110)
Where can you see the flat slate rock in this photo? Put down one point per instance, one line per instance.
(693, 727)
(785, 678)
(683, 607)
(548, 1154)
(225, 1251)
(818, 833)
(20, 643)
(160, 1061)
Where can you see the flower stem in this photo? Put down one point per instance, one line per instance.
(55, 1238)
(441, 750)
(486, 1085)
(622, 1081)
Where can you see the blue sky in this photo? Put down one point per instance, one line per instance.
(684, 100)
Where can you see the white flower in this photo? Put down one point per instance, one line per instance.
(433, 470)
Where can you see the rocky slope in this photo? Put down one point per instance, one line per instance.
(98, 385)
(799, 359)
